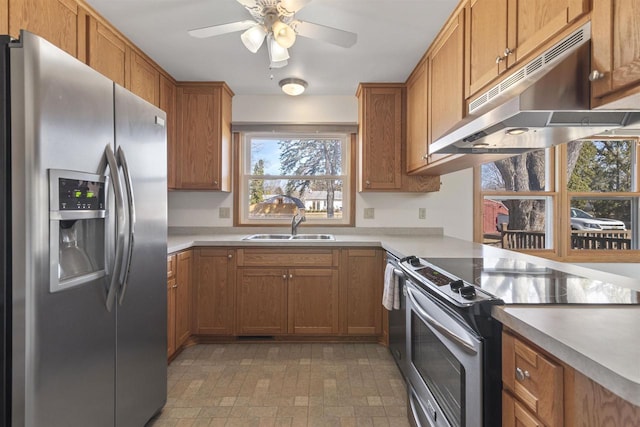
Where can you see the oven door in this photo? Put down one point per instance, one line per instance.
(445, 365)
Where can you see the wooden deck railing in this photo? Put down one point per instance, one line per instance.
(603, 239)
(580, 239)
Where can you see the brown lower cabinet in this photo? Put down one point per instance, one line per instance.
(539, 390)
(274, 291)
(280, 291)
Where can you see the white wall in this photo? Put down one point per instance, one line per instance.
(451, 208)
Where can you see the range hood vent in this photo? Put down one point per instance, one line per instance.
(544, 103)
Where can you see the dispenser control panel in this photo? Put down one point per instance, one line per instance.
(80, 195)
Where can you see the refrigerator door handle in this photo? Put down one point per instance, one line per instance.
(120, 220)
(132, 222)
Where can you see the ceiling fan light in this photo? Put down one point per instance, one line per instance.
(283, 34)
(292, 86)
(277, 53)
(253, 38)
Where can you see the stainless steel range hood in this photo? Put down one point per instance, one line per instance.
(545, 103)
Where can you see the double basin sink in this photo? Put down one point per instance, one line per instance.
(289, 237)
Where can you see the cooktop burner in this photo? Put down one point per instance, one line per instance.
(520, 282)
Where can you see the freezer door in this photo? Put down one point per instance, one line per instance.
(141, 382)
(63, 343)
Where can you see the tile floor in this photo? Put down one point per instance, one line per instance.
(284, 384)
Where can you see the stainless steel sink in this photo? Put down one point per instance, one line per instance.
(267, 237)
(313, 237)
(289, 237)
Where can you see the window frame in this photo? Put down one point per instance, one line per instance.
(242, 177)
(557, 190)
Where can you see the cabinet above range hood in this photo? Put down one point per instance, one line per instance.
(544, 103)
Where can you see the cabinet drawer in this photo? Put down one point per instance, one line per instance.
(171, 266)
(287, 258)
(534, 380)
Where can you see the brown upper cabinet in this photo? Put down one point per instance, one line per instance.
(58, 21)
(168, 104)
(417, 114)
(204, 136)
(616, 50)
(106, 51)
(503, 33)
(446, 79)
(144, 78)
(381, 146)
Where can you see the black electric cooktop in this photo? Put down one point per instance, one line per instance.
(520, 282)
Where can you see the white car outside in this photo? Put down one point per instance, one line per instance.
(580, 220)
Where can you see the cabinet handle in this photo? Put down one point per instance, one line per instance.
(174, 286)
(507, 52)
(230, 256)
(215, 182)
(522, 375)
(290, 276)
(499, 59)
(425, 157)
(595, 75)
(284, 276)
(367, 182)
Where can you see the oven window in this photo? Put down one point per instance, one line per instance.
(441, 371)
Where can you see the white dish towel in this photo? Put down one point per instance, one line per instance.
(391, 293)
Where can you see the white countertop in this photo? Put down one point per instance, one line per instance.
(601, 342)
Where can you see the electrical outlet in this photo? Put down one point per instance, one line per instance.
(369, 213)
(224, 213)
(422, 213)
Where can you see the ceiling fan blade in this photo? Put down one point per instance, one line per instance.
(247, 3)
(291, 6)
(324, 33)
(216, 30)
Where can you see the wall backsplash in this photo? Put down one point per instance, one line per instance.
(450, 208)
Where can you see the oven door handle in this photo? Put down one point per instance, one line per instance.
(467, 346)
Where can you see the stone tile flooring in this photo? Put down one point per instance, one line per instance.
(284, 384)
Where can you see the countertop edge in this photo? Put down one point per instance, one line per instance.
(626, 388)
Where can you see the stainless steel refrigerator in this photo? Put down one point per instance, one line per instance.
(83, 223)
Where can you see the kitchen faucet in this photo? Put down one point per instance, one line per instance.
(296, 220)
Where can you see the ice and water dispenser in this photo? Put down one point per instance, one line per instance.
(77, 215)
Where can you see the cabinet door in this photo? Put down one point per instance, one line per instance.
(362, 291)
(616, 45)
(214, 292)
(171, 316)
(447, 79)
(487, 41)
(106, 52)
(381, 137)
(200, 156)
(261, 304)
(515, 415)
(533, 22)
(417, 117)
(183, 297)
(54, 20)
(144, 78)
(168, 104)
(313, 301)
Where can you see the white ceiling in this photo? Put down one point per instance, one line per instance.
(392, 36)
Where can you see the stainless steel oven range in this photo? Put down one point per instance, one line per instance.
(453, 344)
(453, 350)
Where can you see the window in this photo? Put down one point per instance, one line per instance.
(577, 202)
(517, 202)
(282, 173)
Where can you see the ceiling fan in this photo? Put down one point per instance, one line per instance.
(274, 20)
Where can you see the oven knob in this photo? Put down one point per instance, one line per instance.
(415, 262)
(456, 284)
(468, 292)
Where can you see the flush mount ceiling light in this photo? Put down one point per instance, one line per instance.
(293, 86)
(274, 20)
